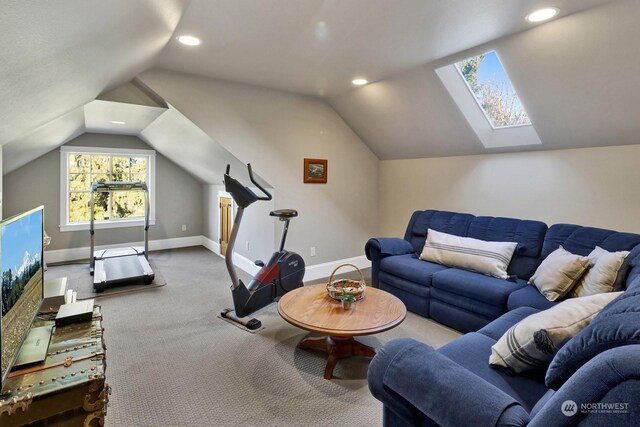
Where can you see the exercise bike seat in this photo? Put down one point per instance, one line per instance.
(284, 213)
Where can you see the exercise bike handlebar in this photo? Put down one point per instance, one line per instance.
(267, 195)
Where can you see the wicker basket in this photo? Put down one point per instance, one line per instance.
(340, 287)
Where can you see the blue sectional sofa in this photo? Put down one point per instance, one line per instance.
(455, 385)
(461, 299)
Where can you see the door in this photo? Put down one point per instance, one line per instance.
(225, 223)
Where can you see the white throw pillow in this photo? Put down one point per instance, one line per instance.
(606, 275)
(490, 258)
(559, 273)
(532, 343)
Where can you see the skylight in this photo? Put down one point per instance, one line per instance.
(488, 82)
(486, 98)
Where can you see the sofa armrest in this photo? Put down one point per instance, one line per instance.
(388, 246)
(422, 386)
(380, 247)
(609, 386)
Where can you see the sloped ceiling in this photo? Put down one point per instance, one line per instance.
(317, 47)
(58, 55)
(576, 75)
(577, 78)
(182, 141)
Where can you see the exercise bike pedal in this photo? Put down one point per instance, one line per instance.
(248, 322)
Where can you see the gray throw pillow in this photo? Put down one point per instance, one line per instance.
(559, 273)
(532, 343)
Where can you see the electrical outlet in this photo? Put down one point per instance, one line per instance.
(184, 227)
(313, 251)
(246, 245)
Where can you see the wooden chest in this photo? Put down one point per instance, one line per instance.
(69, 389)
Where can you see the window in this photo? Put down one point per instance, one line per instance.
(485, 96)
(82, 166)
(493, 90)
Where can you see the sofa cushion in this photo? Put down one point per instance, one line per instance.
(489, 290)
(559, 273)
(470, 305)
(414, 296)
(528, 234)
(633, 261)
(529, 296)
(617, 325)
(446, 222)
(411, 268)
(581, 240)
(531, 343)
(498, 327)
(405, 285)
(467, 253)
(472, 351)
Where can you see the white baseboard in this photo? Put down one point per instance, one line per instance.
(312, 272)
(212, 245)
(319, 271)
(74, 254)
(243, 263)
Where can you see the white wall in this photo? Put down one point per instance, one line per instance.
(275, 131)
(588, 186)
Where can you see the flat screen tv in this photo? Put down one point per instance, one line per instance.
(21, 258)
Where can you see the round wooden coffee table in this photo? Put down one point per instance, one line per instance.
(311, 308)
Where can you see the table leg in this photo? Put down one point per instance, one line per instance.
(338, 348)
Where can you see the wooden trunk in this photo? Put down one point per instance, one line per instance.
(70, 394)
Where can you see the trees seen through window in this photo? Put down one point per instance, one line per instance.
(493, 90)
(84, 169)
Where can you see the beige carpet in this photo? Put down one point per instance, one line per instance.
(78, 275)
(172, 362)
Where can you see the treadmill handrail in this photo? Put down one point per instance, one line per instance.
(107, 186)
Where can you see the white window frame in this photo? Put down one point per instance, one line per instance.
(490, 136)
(66, 151)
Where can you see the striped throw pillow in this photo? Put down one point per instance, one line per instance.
(532, 343)
(490, 258)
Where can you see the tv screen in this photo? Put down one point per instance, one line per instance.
(22, 288)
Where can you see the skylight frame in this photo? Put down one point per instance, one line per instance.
(491, 137)
(484, 112)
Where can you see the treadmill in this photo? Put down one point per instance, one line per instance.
(119, 265)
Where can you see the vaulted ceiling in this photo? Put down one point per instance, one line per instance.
(576, 74)
(318, 46)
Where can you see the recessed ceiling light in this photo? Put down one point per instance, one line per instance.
(542, 14)
(322, 31)
(118, 122)
(189, 40)
(359, 82)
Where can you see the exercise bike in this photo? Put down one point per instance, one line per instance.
(284, 271)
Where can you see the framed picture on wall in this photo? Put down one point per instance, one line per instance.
(315, 171)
